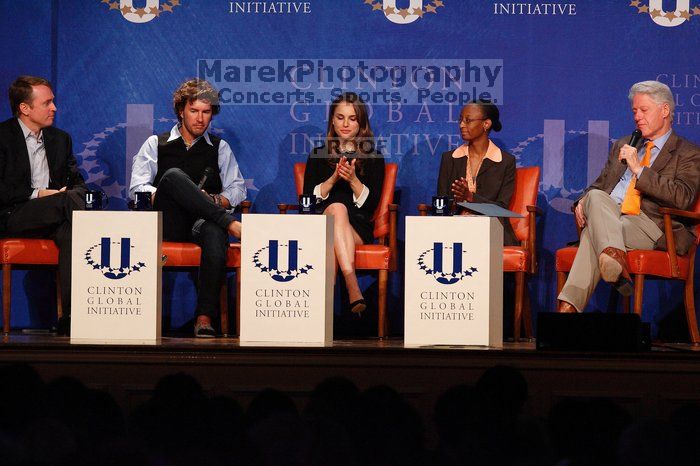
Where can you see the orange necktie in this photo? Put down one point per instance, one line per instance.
(632, 203)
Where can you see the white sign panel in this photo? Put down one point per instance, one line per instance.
(287, 281)
(454, 281)
(116, 276)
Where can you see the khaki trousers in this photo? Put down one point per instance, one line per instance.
(605, 227)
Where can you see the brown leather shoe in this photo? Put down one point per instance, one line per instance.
(566, 307)
(613, 270)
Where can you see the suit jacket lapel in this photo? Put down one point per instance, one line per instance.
(460, 168)
(50, 149)
(665, 155)
(486, 165)
(21, 150)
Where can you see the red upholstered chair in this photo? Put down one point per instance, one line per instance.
(520, 260)
(31, 252)
(380, 256)
(188, 255)
(22, 252)
(655, 264)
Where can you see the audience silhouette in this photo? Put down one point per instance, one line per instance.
(63, 422)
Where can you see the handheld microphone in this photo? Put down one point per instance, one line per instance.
(206, 174)
(636, 135)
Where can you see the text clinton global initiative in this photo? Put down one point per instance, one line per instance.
(447, 305)
(114, 300)
(282, 303)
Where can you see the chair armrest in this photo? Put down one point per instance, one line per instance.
(393, 247)
(532, 211)
(536, 210)
(284, 208)
(423, 210)
(680, 213)
(578, 228)
(245, 206)
(668, 231)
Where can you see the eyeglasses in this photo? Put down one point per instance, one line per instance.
(466, 121)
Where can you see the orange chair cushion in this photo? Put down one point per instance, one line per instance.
(657, 263)
(188, 254)
(515, 259)
(29, 251)
(372, 257)
(639, 262)
(565, 258)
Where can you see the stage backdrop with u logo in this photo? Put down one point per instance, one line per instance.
(560, 72)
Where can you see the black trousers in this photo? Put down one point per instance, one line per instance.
(189, 215)
(51, 217)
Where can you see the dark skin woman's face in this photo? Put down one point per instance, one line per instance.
(472, 124)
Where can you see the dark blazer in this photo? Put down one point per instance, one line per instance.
(15, 171)
(319, 170)
(673, 180)
(495, 184)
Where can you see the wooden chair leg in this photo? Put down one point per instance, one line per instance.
(238, 301)
(518, 312)
(561, 280)
(6, 297)
(223, 308)
(625, 304)
(690, 316)
(382, 322)
(59, 296)
(527, 312)
(638, 294)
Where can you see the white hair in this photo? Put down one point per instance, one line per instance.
(659, 93)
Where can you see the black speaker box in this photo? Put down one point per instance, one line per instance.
(593, 331)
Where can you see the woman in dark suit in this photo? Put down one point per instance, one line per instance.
(478, 171)
(346, 176)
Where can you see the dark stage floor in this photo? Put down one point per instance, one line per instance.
(651, 383)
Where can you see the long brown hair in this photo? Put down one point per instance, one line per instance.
(365, 137)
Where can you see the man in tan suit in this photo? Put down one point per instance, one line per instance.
(620, 210)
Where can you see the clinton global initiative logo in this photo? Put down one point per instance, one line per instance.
(150, 10)
(100, 257)
(666, 18)
(267, 259)
(571, 158)
(432, 263)
(415, 10)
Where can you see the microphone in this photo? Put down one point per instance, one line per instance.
(636, 135)
(206, 174)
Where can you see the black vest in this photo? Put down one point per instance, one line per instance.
(174, 154)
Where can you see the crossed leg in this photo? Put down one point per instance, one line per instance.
(346, 239)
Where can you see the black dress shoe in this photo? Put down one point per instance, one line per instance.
(358, 307)
(62, 327)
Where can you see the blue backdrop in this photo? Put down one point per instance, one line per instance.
(566, 70)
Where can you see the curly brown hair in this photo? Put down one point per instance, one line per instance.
(195, 89)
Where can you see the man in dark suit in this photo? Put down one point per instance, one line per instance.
(620, 210)
(40, 184)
